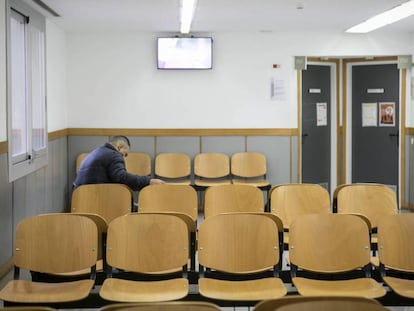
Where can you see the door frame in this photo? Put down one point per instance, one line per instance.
(334, 64)
(346, 162)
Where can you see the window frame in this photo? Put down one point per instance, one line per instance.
(29, 160)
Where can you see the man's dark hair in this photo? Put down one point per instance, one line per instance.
(119, 138)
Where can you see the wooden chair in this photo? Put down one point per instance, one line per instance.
(164, 306)
(396, 252)
(289, 201)
(169, 198)
(232, 198)
(371, 200)
(107, 200)
(249, 168)
(102, 227)
(172, 198)
(173, 168)
(138, 163)
(331, 245)
(147, 245)
(79, 160)
(53, 243)
(316, 303)
(243, 245)
(211, 169)
(335, 197)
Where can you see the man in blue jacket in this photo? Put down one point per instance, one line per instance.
(106, 164)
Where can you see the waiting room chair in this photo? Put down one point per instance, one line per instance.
(239, 255)
(315, 303)
(53, 244)
(288, 201)
(138, 163)
(143, 246)
(232, 198)
(107, 200)
(327, 247)
(211, 169)
(171, 198)
(249, 168)
(164, 306)
(79, 160)
(173, 168)
(370, 200)
(396, 252)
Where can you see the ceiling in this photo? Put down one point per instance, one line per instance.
(220, 15)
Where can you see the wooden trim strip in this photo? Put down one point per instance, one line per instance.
(57, 134)
(409, 131)
(181, 132)
(3, 147)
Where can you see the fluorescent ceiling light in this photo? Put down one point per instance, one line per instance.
(187, 14)
(388, 17)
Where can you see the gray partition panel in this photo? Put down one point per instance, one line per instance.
(6, 215)
(277, 152)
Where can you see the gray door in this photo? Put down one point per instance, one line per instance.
(316, 125)
(375, 95)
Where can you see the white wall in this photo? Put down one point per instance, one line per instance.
(3, 115)
(56, 77)
(113, 81)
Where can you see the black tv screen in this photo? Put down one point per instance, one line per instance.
(185, 53)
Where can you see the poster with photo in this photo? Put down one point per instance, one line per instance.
(387, 114)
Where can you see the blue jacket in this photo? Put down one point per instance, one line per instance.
(106, 165)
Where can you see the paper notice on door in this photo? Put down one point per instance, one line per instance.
(321, 114)
(369, 114)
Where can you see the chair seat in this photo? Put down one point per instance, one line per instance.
(403, 287)
(140, 291)
(362, 287)
(208, 183)
(256, 183)
(23, 291)
(99, 268)
(181, 182)
(250, 290)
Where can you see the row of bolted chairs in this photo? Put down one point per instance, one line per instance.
(208, 168)
(238, 257)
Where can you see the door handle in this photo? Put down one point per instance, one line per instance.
(305, 135)
(394, 134)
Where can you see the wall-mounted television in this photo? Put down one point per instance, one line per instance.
(184, 53)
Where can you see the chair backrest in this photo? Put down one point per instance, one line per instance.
(138, 163)
(56, 243)
(148, 243)
(238, 243)
(232, 198)
(211, 165)
(164, 306)
(106, 200)
(169, 198)
(248, 164)
(292, 200)
(329, 243)
(79, 160)
(173, 165)
(102, 227)
(316, 303)
(370, 200)
(395, 245)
